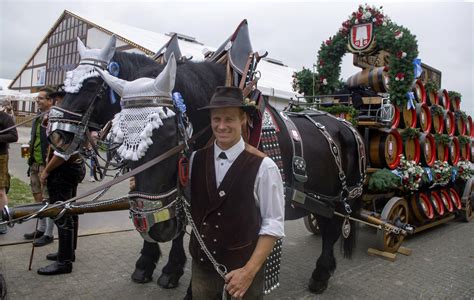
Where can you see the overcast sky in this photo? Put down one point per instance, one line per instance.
(291, 32)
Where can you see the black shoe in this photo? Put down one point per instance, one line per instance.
(56, 268)
(30, 236)
(54, 256)
(44, 240)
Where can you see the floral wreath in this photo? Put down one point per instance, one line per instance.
(464, 170)
(441, 172)
(410, 173)
(396, 39)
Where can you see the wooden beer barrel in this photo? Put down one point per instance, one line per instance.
(449, 123)
(438, 123)
(442, 152)
(420, 92)
(422, 208)
(437, 203)
(444, 99)
(446, 199)
(376, 78)
(432, 98)
(428, 149)
(469, 126)
(411, 147)
(455, 103)
(460, 128)
(385, 148)
(407, 118)
(396, 117)
(455, 198)
(465, 151)
(423, 117)
(454, 151)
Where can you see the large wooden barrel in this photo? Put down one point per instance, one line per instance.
(437, 203)
(419, 91)
(396, 117)
(455, 103)
(446, 199)
(422, 208)
(454, 151)
(438, 123)
(449, 123)
(455, 198)
(411, 149)
(432, 98)
(443, 98)
(469, 127)
(442, 152)
(465, 151)
(423, 117)
(376, 78)
(385, 148)
(460, 128)
(407, 118)
(428, 149)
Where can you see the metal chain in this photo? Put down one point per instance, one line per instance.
(155, 209)
(221, 269)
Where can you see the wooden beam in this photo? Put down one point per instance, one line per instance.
(385, 255)
(404, 250)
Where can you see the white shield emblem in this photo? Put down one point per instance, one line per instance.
(361, 36)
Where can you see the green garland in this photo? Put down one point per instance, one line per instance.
(431, 86)
(383, 181)
(454, 95)
(389, 36)
(463, 140)
(461, 115)
(410, 133)
(442, 139)
(437, 110)
(342, 109)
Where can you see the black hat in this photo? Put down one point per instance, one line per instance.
(228, 96)
(59, 92)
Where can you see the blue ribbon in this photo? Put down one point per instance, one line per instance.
(417, 67)
(428, 172)
(114, 70)
(411, 100)
(454, 174)
(178, 102)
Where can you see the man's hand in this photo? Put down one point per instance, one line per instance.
(238, 281)
(43, 177)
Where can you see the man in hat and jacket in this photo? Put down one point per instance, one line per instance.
(237, 203)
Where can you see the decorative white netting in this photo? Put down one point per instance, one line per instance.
(75, 78)
(133, 127)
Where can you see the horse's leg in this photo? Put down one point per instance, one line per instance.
(174, 269)
(326, 264)
(146, 263)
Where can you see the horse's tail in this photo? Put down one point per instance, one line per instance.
(349, 244)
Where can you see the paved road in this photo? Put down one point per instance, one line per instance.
(440, 267)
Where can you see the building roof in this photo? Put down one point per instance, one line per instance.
(276, 79)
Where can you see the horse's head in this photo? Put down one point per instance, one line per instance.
(84, 87)
(145, 128)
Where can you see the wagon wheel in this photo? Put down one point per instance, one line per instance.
(396, 209)
(311, 223)
(466, 214)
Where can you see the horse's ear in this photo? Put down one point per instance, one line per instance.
(164, 82)
(109, 50)
(81, 48)
(115, 83)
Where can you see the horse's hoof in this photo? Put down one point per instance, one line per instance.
(317, 287)
(142, 276)
(168, 281)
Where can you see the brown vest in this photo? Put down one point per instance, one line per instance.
(227, 217)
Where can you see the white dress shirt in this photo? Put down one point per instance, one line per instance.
(267, 191)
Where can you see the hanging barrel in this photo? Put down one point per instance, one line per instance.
(411, 149)
(442, 152)
(444, 99)
(437, 203)
(422, 208)
(460, 128)
(446, 199)
(465, 151)
(438, 123)
(423, 117)
(449, 123)
(376, 78)
(454, 151)
(407, 118)
(428, 149)
(432, 98)
(420, 92)
(385, 148)
(455, 198)
(455, 103)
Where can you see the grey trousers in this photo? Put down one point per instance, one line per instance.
(208, 285)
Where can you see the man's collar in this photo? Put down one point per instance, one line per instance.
(233, 152)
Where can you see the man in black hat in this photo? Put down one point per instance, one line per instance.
(237, 204)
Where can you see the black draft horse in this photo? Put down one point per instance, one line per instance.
(196, 81)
